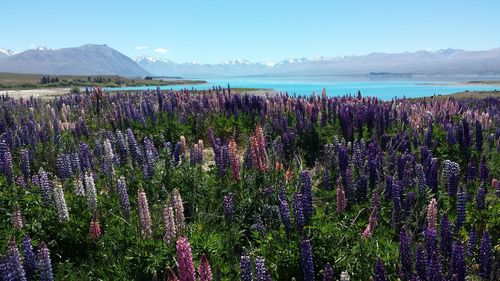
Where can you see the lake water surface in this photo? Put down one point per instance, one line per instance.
(384, 88)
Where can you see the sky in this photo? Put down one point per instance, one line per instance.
(211, 31)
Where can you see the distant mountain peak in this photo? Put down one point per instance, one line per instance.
(6, 52)
(149, 59)
(41, 48)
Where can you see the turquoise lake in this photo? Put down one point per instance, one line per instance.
(383, 88)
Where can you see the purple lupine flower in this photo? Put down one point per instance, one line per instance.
(405, 254)
(6, 269)
(326, 180)
(246, 268)
(185, 260)
(122, 147)
(421, 182)
(204, 270)
(361, 191)
(328, 272)
(410, 202)
(434, 268)
(284, 210)
(480, 198)
(485, 257)
(421, 262)
(121, 187)
(228, 205)
(396, 202)
(471, 244)
(44, 263)
(261, 273)
(479, 136)
(25, 164)
(133, 147)
(29, 258)
(306, 258)
(349, 189)
(451, 172)
(85, 156)
(458, 267)
(76, 166)
(298, 212)
(15, 261)
(6, 162)
(430, 241)
(45, 186)
(483, 171)
(380, 274)
(178, 153)
(445, 234)
(461, 209)
(343, 159)
(433, 175)
(306, 191)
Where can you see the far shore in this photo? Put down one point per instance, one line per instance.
(47, 93)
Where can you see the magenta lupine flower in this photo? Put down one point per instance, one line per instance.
(144, 215)
(44, 263)
(185, 260)
(204, 270)
(179, 211)
(15, 261)
(60, 203)
(169, 223)
(340, 197)
(432, 214)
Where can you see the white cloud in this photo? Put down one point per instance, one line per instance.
(141, 47)
(161, 50)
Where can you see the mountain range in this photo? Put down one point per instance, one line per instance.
(88, 59)
(102, 60)
(442, 62)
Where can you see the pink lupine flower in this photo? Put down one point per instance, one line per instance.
(144, 215)
(432, 214)
(235, 161)
(17, 218)
(372, 222)
(95, 228)
(204, 270)
(185, 260)
(179, 211)
(169, 223)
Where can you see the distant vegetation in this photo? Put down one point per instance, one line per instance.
(13, 81)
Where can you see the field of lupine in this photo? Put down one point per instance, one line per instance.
(214, 185)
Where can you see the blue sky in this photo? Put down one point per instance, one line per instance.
(211, 31)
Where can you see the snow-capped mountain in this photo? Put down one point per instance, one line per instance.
(88, 59)
(6, 53)
(445, 61)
